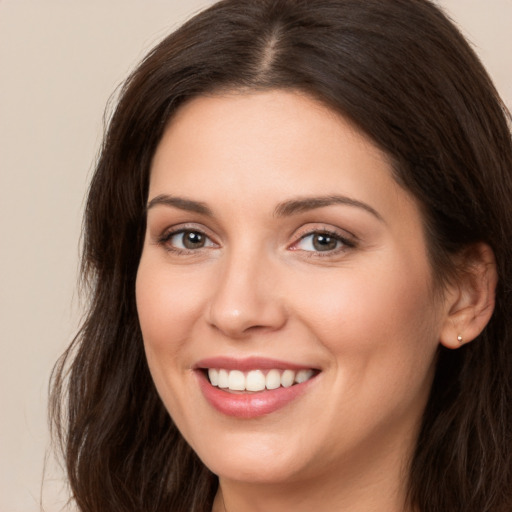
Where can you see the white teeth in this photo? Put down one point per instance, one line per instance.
(256, 380)
(303, 376)
(273, 379)
(223, 379)
(213, 375)
(236, 380)
(287, 378)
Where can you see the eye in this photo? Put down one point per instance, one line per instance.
(322, 241)
(187, 240)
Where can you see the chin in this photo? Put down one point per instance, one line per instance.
(254, 471)
(254, 460)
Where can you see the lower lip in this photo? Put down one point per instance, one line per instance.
(250, 405)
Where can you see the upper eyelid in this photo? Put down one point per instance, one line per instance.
(297, 235)
(181, 232)
(324, 228)
(163, 237)
(173, 232)
(346, 241)
(181, 227)
(163, 240)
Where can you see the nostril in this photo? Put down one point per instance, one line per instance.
(244, 295)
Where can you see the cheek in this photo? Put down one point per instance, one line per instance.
(168, 303)
(380, 325)
(379, 329)
(360, 302)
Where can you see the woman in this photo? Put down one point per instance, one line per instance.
(297, 246)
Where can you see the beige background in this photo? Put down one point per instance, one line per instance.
(59, 62)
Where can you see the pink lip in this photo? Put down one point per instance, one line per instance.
(248, 405)
(247, 364)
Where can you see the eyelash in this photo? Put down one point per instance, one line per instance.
(165, 239)
(346, 243)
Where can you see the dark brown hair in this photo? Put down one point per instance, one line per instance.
(401, 72)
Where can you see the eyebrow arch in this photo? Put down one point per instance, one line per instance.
(181, 203)
(300, 205)
(285, 209)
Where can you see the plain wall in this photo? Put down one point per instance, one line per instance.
(59, 63)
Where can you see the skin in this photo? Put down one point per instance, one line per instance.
(365, 313)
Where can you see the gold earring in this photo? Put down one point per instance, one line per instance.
(459, 338)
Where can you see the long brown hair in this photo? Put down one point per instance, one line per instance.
(401, 72)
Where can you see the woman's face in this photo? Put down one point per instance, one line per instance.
(279, 249)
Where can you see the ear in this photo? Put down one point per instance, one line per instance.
(469, 300)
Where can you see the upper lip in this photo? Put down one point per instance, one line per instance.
(248, 363)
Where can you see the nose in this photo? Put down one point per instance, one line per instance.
(247, 297)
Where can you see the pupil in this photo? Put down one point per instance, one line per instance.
(324, 242)
(193, 240)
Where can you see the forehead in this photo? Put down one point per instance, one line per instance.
(258, 148)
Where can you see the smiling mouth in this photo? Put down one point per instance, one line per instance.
(257, 380)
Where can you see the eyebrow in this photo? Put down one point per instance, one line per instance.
(305, 204)
(285, 209)
(181, 203)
